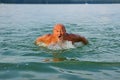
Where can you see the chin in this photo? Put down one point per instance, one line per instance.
(60, 39)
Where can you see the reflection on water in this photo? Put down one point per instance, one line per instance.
(58, 57)
(55, 59)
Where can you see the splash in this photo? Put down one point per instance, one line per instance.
(61, 45)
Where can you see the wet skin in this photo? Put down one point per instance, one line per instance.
(60, 35)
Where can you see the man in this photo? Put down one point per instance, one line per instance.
(60, 35)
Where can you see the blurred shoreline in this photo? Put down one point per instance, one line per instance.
(60, 1)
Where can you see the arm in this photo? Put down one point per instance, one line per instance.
(41, 39)
(83, 40)
(38, 40)
(78, 38)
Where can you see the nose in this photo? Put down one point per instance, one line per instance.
(60, 34)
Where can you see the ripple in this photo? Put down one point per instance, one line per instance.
(20, 59)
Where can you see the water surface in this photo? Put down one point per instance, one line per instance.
(20, 25)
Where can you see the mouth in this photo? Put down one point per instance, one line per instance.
(60, 37)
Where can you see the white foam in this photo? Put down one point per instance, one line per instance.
(42, 44)
(61, 45)
(78, 44)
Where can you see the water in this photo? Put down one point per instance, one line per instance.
(20, 25)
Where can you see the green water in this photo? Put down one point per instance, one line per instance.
(20, 25)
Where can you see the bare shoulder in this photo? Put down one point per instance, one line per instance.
(74, 36)
(42, 38)
(46, 35)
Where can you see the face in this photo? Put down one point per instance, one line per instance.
(59, 31)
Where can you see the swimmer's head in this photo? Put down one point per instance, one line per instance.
(59, 31)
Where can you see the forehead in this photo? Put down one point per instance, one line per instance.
(59, 27)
